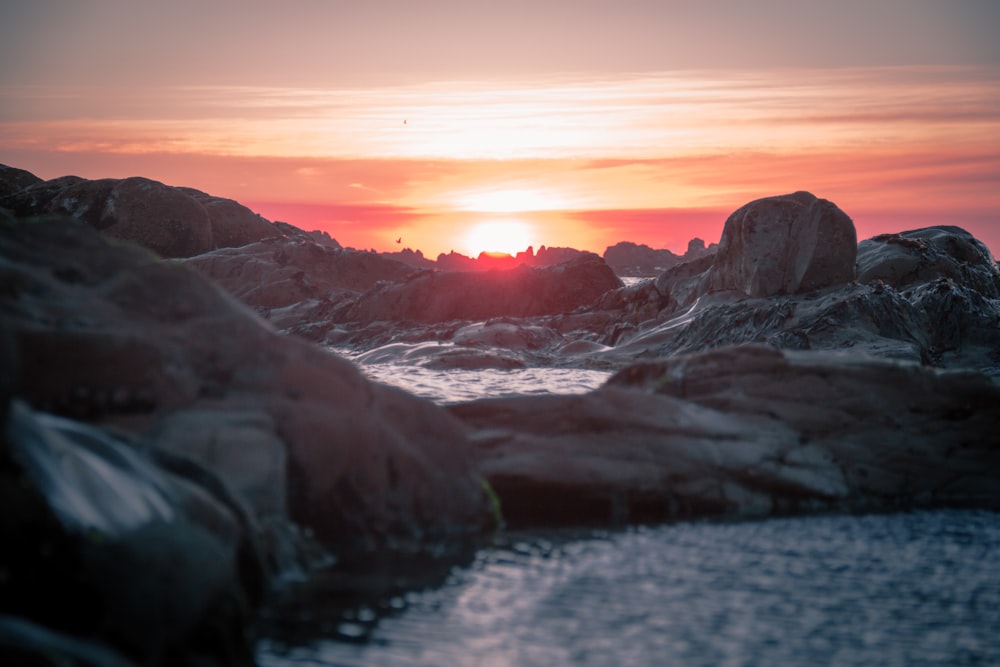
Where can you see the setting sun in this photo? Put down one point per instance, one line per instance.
(500, 236)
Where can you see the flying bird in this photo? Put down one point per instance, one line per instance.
(399, 240)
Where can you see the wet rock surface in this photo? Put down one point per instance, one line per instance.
(743, 431)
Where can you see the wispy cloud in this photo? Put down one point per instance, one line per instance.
(641, 116)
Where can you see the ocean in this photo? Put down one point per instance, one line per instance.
(907, 589)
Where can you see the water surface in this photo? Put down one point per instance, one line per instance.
(908, 589)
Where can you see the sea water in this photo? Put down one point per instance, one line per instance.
(908, 589)
(461, 385)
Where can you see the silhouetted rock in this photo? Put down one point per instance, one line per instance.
(440, 296)
(744, 431)
(410, 258)
(170, 221)
(13, 180)
(487, 261)
(785, 245)
(233, 224)
(924, 255)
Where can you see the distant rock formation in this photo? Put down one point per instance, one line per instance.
(441, 296)
(410, 257)
(629, 259)
(454, 261)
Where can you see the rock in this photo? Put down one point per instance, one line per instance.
(685, 282)
(233, 224)
(631, 259)
(148, 562)
(170, 221)
(282, 272)
(925, 255)
(163, 219)
(113, 335)
(13, 180)
(788, 244)
(743, 431)
(520, 292)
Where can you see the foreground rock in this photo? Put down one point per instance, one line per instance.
(747, 431)
(112, 335)
(104, 546)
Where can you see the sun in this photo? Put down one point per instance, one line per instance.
(498, 236)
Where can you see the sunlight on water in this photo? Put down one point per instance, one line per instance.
(460, 385)
(915, 589)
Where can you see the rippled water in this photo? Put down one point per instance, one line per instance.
(908, 589)
(460, 385)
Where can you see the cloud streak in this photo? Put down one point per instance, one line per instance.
(641, 116)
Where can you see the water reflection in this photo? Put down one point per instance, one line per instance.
(908, 589)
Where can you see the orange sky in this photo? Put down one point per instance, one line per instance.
(551, 122)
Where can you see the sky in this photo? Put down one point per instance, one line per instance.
(476, 125)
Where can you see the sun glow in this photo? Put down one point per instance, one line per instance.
(498, 236)
(509, 201)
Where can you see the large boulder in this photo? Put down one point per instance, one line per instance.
(910, 258)
(524, 291)
(112, 334)
(787, 244)
(743, 431)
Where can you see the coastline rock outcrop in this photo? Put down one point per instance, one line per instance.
(740, 432)
(170, 221)
(110, 334)
(925, 255)
(520, 292)
(287, 279)
(787, 244)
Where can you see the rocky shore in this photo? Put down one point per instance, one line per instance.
(180, 443)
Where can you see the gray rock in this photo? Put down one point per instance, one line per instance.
(925, 255)
(283, 272)
(788, 244)
(170, 221)
(140, 559)
(13, 180)
(743, 431)
(111, 334)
